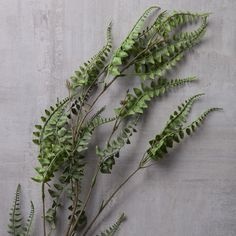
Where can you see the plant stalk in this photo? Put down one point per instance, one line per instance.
(44, 209)
(103, 205)
(87, 199)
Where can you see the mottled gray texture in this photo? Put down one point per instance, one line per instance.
(193, 191)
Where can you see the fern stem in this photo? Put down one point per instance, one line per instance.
(115, 127)
(75, 200)
(44, 209)
(87, 199)
(103, 205)
(75, 133)
(75, 203)
(75, 136)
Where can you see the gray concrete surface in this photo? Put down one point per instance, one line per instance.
(193, 191)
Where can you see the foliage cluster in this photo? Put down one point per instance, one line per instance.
(151, 49)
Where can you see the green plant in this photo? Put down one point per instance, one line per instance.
(16, 226)
(67, 127)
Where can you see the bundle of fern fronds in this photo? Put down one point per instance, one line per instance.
(66, 128)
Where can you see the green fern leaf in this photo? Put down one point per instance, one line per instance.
(135, 104)
(122, 53)
(56, 194)
(163, 56)
(112, 149)
(15, 225)
(87, 73)
(54, 140)
(174, 131)
(180, 116)
(162, 142)
(178, 19)
(87, 131)
(27, 228)
(191, 128)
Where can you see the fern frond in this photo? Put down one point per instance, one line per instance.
(50, 118)
(173, 130)
(179, 116)
(54, 140)
(135, 104)
(27, 228)
(55, 193)
(190, 36)
(162, 142)
(87, 131)
(190, 129)
(76, 170)
(112, 149)
(88, 72)
(113, 229)
(164, 55)
(72, 171)
(140, 23)
(178, 19)
(97, 120)
(75, 174)
(149, 34)
(15, 225)
(122, 53)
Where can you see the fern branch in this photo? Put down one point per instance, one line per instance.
(28, 226)
(88, 73)
(122, 52)
(135, 104)
(112, 149)
(174, 132)
(15, 226)
(164, 55)
(179, 117)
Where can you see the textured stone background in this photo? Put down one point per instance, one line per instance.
(193, 191)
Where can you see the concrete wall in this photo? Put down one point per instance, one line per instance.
(190, 193)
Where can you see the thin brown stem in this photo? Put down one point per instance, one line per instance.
(75, 133)
(75, 203)
(104, 204)
(44, 209)
(115, 127)
(87, 199)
